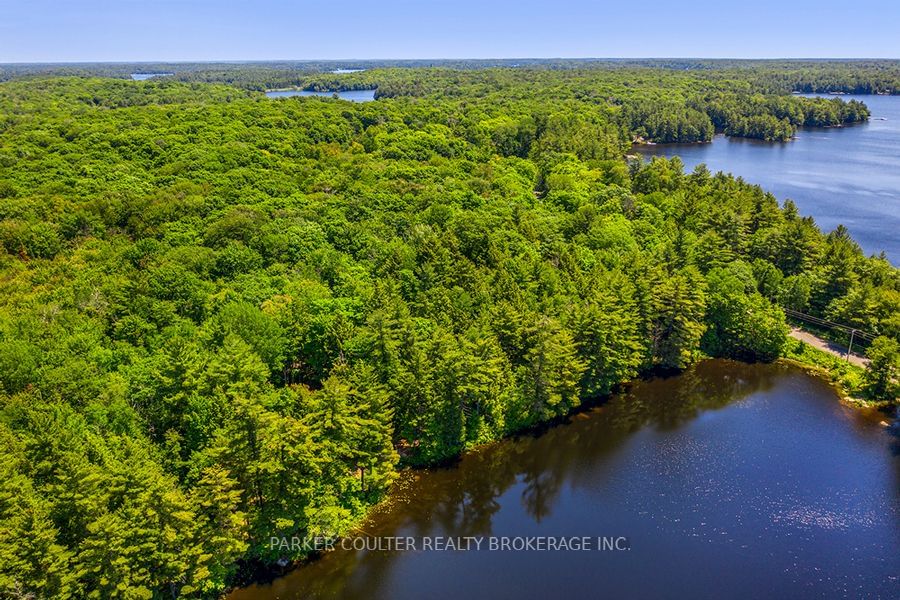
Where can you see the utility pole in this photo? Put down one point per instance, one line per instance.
(850, 347)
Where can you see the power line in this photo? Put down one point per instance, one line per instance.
(853, 331)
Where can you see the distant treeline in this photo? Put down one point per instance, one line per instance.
(775, 76)
(658, 100)
(254, 73)
(659, 105)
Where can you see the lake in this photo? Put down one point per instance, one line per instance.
(145, 76)
(730, 480)
(848, 175)
(351, 95)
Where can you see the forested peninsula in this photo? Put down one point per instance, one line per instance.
(225, 317)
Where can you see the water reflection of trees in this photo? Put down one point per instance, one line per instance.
(463, 500)
(580, 449)
(667, 403)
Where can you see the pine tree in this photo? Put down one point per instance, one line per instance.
(883, 368)
(221, 528)
(33, 563)
(677, 311)
(608, 338)
(486, 385)
(550, 376)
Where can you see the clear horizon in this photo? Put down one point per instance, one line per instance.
(446, 58)
(127, 31)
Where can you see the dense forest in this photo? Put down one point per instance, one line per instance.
(654, 105)
(225, 318)
(676, 100)
(849, 76)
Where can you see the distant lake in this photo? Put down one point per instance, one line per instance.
(344, 71)
(144, 76)
(351, 95)
(842, 175)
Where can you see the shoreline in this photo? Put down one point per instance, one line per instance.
(873, 411)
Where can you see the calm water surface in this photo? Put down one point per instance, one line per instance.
(730, 481)
(352, 95)
(848, 175)
(145, 76)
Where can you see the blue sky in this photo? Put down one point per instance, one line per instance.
(169, 30)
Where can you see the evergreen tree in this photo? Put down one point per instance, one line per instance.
(678, 305)
(608, 337)
(883, 368)
(550, 377)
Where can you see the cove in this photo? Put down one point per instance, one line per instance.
(840, 175)
(729, 480)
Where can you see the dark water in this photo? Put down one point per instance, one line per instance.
(848, 175)
(729, 481)
(352, 95)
